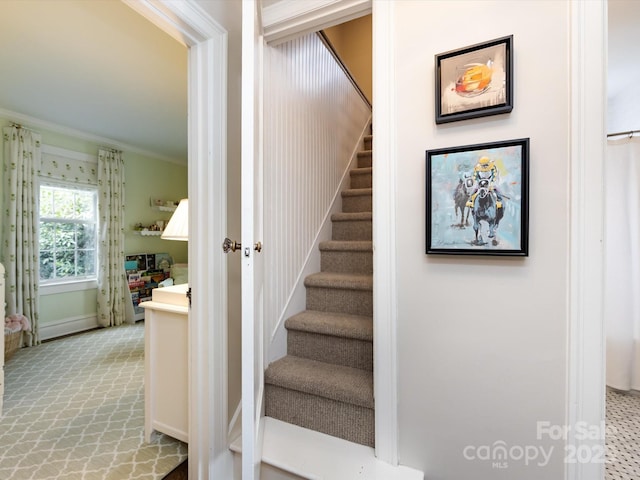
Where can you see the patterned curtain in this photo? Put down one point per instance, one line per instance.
(112, 286)
(20, 226)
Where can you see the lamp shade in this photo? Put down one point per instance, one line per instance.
(178, 226)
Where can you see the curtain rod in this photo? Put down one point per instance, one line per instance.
(21, 127)
(629, 134)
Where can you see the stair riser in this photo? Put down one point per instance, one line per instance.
(342, 420)
(352, 230)
(361, 180)
(368, 143)
(347, 262)
(357, 203)
(365, 160)
(348, 352)
(338, 300)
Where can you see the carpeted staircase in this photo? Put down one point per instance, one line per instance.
(325, 382)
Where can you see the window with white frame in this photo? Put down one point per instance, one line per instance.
(68, 233)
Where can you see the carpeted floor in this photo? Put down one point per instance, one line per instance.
(623, 436)
(74, 410)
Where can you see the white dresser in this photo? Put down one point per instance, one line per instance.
(166, 357)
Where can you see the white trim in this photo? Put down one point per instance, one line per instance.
(309, 454)
(72, 154)
(33, 122)
(586, 383)
(288, 19)
(209, 455)
(66, 287)
(384, 234)
(67, 326)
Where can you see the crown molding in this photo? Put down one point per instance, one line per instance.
(32, 122)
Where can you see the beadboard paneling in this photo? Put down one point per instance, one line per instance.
(313, 119)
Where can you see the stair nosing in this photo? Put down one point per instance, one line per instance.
(361, 325)
(346, 246)
(351, 216)
(339, 281)
(335, 382)
(357, 192)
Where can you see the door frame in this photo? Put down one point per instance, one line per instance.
(187, 22)
(586, 385)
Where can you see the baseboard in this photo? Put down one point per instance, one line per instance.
(60, 328)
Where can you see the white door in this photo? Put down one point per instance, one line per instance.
(251, 198)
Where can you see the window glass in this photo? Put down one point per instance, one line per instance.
(68, 234)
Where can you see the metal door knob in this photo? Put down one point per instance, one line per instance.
(230, 245)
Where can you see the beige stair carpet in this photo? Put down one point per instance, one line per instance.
(325, 382)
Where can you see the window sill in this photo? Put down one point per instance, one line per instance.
(53, 289)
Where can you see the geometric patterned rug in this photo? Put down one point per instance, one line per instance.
(74, 410)
(623, 436)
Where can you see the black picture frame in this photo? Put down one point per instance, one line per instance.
(474, 81)
(498, 172)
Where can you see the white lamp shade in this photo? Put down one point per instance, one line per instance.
(178, 226)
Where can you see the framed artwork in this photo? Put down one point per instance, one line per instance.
(475, 81)
(477, 199)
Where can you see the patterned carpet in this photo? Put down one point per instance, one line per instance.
(623, 436)
(74, 410)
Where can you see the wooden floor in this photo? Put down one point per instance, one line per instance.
(181, 472)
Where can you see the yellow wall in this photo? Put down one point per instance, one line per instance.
(352, 42)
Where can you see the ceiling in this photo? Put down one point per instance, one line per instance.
(97, 67)
(100, 68)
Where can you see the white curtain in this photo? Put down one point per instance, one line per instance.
(20, 226)
(112, 286)
(622, 263)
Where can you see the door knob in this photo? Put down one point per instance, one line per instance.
(230, 245)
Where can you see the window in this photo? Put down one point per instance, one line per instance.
(68, 233)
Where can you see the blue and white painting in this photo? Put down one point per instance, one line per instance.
(475, 199)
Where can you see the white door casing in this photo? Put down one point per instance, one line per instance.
(209, 455)
(251, 224)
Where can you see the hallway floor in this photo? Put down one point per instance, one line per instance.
(623, 436)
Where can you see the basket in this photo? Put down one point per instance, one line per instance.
(11, 344)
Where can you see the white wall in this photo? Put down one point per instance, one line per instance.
(483, 341)
(313, 121)
(622, 111)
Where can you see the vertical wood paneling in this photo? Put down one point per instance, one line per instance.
(313, 118)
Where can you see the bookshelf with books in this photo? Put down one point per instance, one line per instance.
(144, 272)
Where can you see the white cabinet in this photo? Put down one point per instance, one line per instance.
(166, 355)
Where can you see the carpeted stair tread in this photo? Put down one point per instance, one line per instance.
(365, 158)
(345, 281)
(343, 384)
(346, 246)
(357, 192)
(334, 324)
(351, 216)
